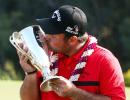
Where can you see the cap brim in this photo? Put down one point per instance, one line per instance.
(48, 26)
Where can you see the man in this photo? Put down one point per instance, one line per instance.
(89, 71)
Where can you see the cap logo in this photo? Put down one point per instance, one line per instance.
(70, 30)
(76, 28)
(56, 14)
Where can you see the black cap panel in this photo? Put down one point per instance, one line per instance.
(67, 18)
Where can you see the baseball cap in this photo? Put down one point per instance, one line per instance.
(66, 19)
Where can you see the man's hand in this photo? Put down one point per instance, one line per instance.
(27, 91)
(23, 60)
(44, 43)
(62, 87)
(65, 88)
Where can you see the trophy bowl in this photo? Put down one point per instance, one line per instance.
(30, 38)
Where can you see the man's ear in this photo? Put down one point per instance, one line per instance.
(73, 40)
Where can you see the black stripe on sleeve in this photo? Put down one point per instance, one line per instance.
(86, 83)
(81, 83)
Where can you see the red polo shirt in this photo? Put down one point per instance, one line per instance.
(101, 75)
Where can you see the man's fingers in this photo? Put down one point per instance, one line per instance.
(21, 45)
(24, 58)
(56, 88)
(19, 53)
(25, 49)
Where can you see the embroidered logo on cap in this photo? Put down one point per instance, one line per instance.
(56, 14)
(76, 28)
(72, 30)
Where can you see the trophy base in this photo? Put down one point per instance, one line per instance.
(45, 85)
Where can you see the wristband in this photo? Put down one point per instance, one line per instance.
(29, 73)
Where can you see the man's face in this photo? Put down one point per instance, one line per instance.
(57, 42)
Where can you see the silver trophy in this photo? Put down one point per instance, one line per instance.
(39, 58)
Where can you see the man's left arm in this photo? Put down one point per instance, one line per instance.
(80, 94)
(111, 87)
(65, 88)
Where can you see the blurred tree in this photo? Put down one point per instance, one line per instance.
(108, 20)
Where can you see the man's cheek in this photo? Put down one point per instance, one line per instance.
(53, 44)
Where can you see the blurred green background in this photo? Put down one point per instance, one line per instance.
(108, 20)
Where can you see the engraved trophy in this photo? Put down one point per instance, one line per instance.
(38, 57)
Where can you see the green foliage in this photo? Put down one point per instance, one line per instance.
(4, 75)
(127, 78)
(124, 29)
(9, 73)
(108, 20)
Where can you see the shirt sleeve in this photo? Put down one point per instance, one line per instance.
(111, 78)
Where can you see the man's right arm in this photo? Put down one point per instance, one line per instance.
(29, 89)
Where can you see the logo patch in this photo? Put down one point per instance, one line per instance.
(76, 28)
(73, 30)
(57, 15)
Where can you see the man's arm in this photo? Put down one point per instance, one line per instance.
(79, 94)
(65, 88)
(29, 89)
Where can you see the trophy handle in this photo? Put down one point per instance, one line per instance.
(13, 38)
(45, 85)
(47, 77)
